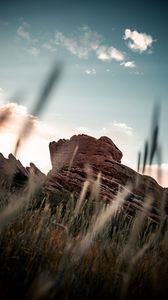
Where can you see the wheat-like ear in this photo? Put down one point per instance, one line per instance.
(139, 161)
(154, 143)
(102, 219)
(52, 79)
(145, 156)
(151, 145)
(154, 133)
(15, 207)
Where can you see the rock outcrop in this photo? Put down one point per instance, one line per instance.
(12, 171)
(83, 157)
(14, 174)
(83, 148)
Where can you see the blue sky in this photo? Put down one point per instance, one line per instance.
(115, 65)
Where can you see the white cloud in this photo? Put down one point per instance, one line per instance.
(33, 51)
(123, 128)
(108, 53)
(82, 46)
(88, 42)
(23, 32)
(138, 42)
(40, 137)
(128, 64)
(83, 129)
(49, 47)
(14, 114)
(111, 129)
(120, 130)
(136, 72)
(3, 96)
(90, 71)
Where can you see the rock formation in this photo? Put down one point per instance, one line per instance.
(86, 158)
(83, 157)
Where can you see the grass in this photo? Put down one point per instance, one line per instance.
(96, 250)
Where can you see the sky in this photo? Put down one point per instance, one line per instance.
(114, 55)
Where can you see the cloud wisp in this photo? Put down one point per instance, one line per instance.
(23, 32)
(3, 96)
(128, 64)
(49, 46)
(87, 42)
(138, 42)
(108, 53)
(90, 71)
(33, 51)
(90, 42)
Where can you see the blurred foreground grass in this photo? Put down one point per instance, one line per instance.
(100, 252)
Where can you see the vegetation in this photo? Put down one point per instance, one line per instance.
(73, 252)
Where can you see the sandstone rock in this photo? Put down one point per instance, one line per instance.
(83, 147)
(84, 157)
(40, 177)
(14, 174)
